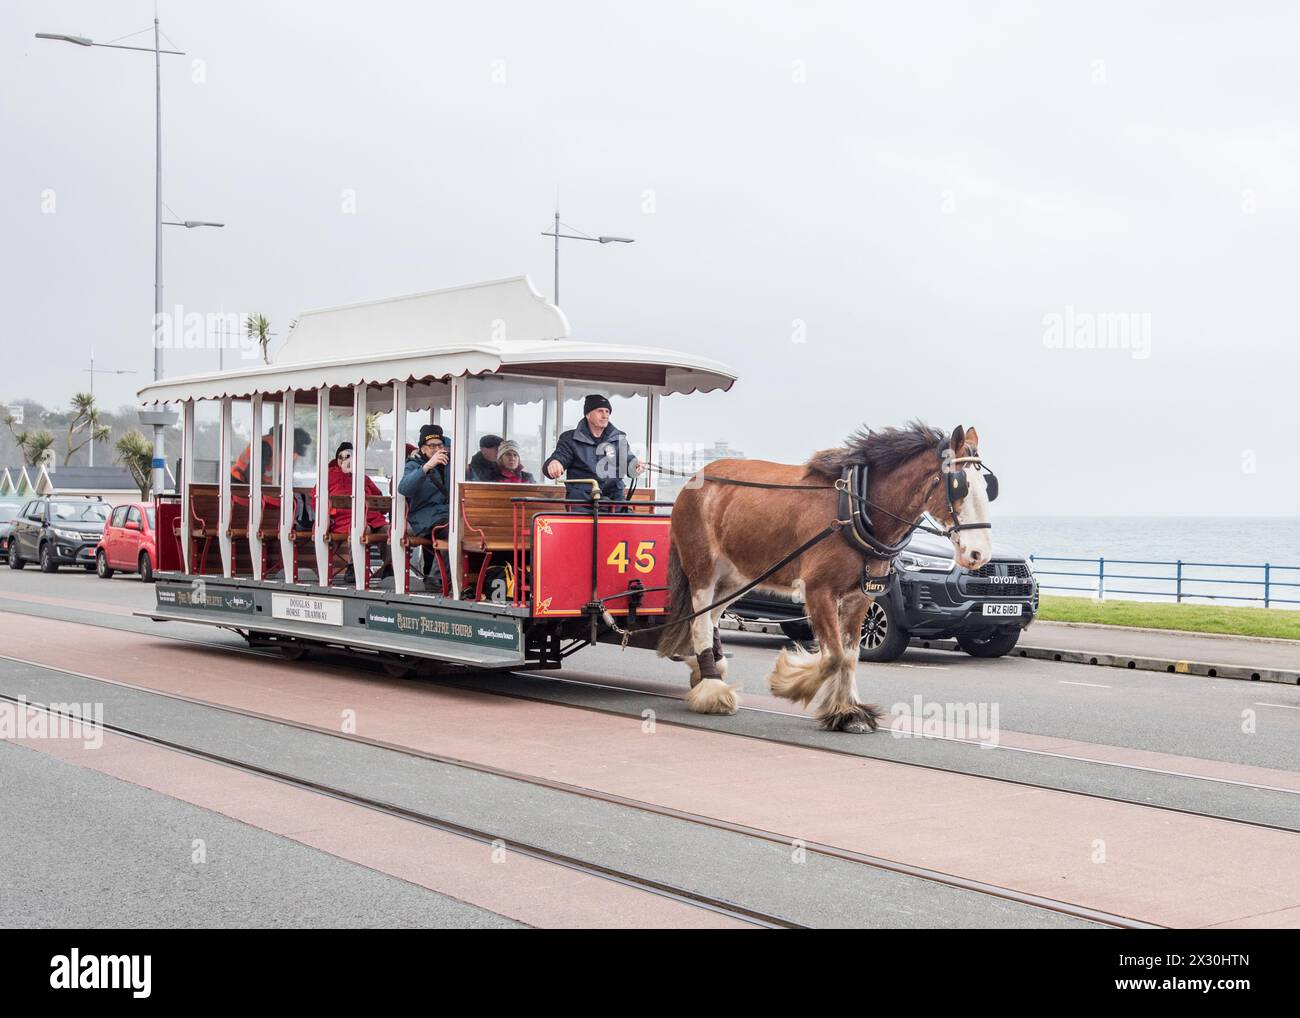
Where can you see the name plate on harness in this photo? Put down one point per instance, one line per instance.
(320, 611)
(877, 586)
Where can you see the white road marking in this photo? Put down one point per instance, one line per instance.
(1094, 685)
(1286, 706)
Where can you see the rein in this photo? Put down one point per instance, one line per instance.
(845, 488)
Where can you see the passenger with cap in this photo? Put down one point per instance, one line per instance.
(426, 486)
(424, 483)
(483, 465)
(593, 451)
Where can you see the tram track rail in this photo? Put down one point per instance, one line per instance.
(755, 917)
(587, 868)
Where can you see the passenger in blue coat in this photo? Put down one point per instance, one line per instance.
(424, 483)
(594, 450)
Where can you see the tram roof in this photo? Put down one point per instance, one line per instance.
(502, 326)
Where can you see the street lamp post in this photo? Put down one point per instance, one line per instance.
(575, 236)
(93, 371)
(158, 424)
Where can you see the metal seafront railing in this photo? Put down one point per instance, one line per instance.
(1255, 583)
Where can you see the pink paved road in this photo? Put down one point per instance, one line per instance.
(1161, 867)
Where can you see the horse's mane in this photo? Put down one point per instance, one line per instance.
(883, 450)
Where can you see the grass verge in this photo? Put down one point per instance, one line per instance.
(1194, 618)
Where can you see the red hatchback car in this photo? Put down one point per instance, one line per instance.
(130, 542)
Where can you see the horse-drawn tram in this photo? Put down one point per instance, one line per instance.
(382, 487)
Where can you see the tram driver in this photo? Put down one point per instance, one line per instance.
(593, 451)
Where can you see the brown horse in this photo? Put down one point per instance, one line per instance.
(724, 536)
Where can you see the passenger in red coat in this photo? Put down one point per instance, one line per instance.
(340, 483)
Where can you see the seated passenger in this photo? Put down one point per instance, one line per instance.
(424, 483)
(241, 470)
(509, 465)
(484, 464)
(340, 483)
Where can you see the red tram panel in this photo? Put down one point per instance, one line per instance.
(628, 548)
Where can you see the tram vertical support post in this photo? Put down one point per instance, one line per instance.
(397, 513)
(558, 430)
(360, 551)
(456, 473)
(187, 474)
(223, 479)
(286, 486)
(321, 527)
(255, 487)
(651, 432)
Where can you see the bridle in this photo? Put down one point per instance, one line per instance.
(958, 487)
(852, 487)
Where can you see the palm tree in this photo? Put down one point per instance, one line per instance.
(37, 447)
(258, 327)
(135, 452)
(85, 420)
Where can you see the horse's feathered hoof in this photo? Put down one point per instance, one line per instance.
(712, 696)
(858, 720)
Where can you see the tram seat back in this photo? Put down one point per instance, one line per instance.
(268, 526)
(490, 511)
(239, 513)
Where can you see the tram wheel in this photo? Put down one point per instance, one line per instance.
(399, 668)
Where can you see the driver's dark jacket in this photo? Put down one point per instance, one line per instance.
(606, 460)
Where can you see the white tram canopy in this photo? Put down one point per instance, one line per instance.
(499, 327)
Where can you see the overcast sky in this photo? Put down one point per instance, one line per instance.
(871, 211)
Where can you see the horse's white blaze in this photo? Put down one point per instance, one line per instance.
(974, 547)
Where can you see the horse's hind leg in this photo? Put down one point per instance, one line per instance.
(841, 711)
(709, 693)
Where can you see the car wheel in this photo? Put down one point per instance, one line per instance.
(146, 568)
(993, 644)
(101, 566)
(48, 565)
(883, 636)
(15, 561)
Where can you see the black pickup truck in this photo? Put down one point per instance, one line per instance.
(932, 599)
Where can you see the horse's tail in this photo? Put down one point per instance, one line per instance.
(675, 638)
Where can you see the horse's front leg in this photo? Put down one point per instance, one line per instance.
(710, 693)
(841, 710)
